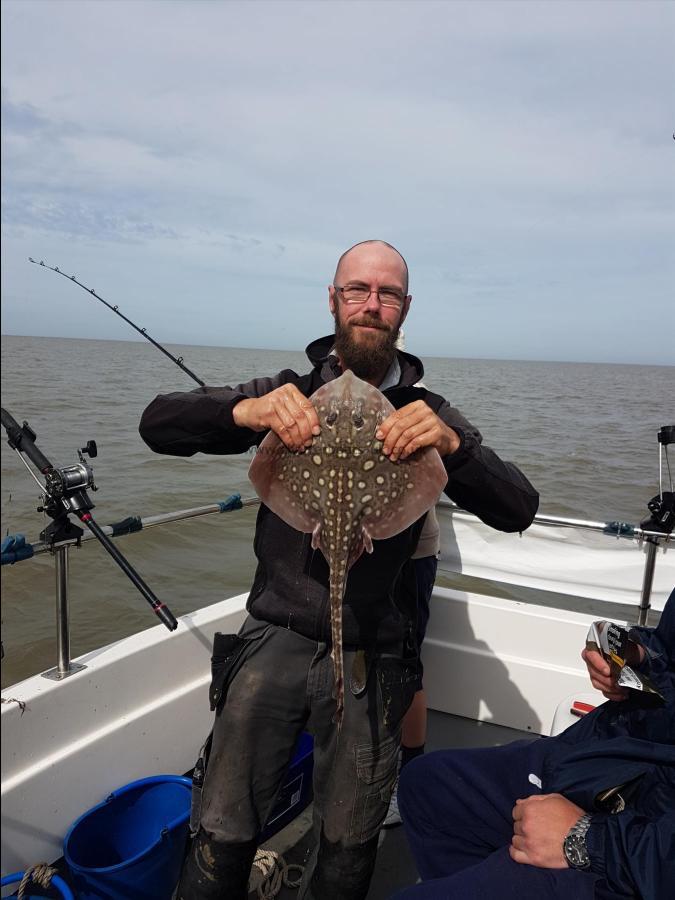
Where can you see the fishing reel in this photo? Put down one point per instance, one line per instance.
(65, 492)
(662, 506)
(61, 482)
(65, 488)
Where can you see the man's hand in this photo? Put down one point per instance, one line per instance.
(600, 672)
(601, 675)
(286, 411)
(412, 427)
(540, 825)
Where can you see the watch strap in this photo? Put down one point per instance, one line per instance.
(574, 845)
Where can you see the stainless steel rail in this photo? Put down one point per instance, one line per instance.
(147, 522)
(60, 551)
(612, 529)
(633, 531)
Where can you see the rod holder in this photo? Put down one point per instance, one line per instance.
(64, 667)
(647, 581)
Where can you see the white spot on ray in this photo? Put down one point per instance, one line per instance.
(357, 495)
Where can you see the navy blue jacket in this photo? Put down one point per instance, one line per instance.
(627, 743)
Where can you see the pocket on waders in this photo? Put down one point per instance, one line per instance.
(227, 651)
(228, 654)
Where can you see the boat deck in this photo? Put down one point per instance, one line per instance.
(395, 868)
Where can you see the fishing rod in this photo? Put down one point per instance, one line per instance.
(65, 493)
(178, 360)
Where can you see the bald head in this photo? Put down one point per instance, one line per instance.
(372, 249)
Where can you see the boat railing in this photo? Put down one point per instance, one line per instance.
(60, 551)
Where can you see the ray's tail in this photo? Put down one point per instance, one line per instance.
(338, 578)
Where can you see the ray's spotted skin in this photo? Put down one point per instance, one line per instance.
(343, 490)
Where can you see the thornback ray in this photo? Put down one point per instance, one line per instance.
(343, 490)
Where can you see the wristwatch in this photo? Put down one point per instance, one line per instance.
(574, 845)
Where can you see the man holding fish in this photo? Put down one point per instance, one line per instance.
(328, 645)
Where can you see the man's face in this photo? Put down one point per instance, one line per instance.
(365, 333)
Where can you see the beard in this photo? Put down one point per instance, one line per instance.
(367, 354)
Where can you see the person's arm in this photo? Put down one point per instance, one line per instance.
(540, 823)
(478, 480)
(634, 853)
(603, 678)
(649, 650)
(482, 483)
(227, 419)
(658, 642)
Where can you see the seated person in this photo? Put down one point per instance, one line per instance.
(528, 821)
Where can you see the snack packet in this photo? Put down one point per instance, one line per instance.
(611, 640)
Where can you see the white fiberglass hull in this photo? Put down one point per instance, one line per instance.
(140, 707)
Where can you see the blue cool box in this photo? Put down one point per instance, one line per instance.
(296, 791)
(131, 846)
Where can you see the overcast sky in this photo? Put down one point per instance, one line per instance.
(203, 165)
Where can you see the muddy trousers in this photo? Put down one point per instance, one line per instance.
(456, 807)
(284, 684)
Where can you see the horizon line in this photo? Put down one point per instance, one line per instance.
(140, 340)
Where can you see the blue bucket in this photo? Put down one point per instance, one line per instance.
(58, 887)
(131, 846)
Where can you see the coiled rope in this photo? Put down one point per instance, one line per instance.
(40, 874)
(276, 873)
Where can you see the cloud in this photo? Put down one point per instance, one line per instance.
(513, 150)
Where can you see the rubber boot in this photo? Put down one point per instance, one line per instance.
(337, 872)
(216, 871)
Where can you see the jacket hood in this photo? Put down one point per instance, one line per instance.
(318, 352)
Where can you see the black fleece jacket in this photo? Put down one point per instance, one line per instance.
(291, 581)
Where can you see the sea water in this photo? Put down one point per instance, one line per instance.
(584, 434)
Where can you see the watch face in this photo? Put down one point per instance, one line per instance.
(575, 852)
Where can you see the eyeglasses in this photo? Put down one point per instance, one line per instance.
(359, 293)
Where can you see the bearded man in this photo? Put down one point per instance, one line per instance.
(276, 678)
